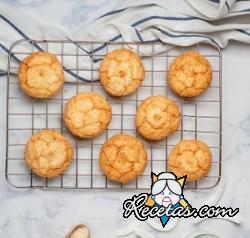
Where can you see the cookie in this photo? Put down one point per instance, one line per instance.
(190, 74)
(87, 114)
(157, 117)
(121, 72)
(48, 153)
(123, 158)
(79, 231)
(41, 75)
(190, 157)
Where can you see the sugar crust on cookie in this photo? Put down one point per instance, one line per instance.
(190, 157)
(123, 158)
(189, 74)
(157, 117)
(121, 72)
(87, 114)
(48, 153)
(41, 75)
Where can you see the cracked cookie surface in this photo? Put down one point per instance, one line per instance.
(41, 75)
(123, 158)
(157, 117)
(121, 72)
(190, 157)
(190, 74)
(87, 114)
(48, 153)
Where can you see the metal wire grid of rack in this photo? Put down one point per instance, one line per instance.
(201, 116)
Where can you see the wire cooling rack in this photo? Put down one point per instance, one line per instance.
(201, 116)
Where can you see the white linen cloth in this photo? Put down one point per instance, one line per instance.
(176, 22)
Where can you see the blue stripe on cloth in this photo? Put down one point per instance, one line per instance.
(244, 32)
(151, 17)
(152, 41)
(105, 44)
(83, 49)
(2, 74)
(7, 51)
(79, 46)
(218, 1)
(39, 48)
(245, 10)
(14, 27)
(186, 35)
(139, 35)
(113, 40)
(112, 13)
(145, 20)
(165, 18)
(164, 32)
(119, 36)
(95, 60)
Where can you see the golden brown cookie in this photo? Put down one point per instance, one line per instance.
(48, 153)
(157, 117)
(87, 114)
(190, 157)
(121, 72)
(190, 74)
(41, 75)
(123, 158)
(79, 231)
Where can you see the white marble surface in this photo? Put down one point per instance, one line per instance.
(38, 213)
